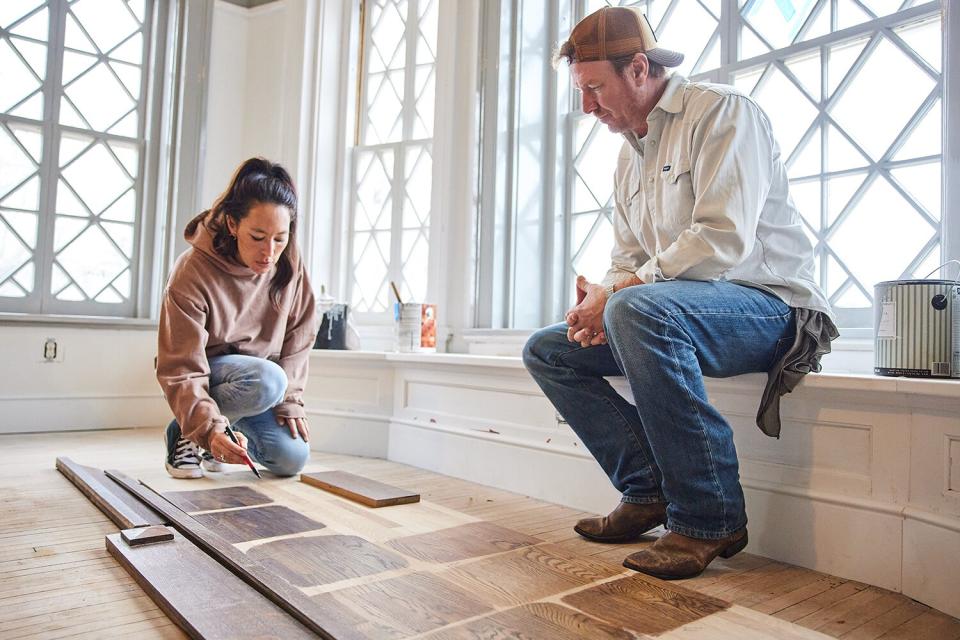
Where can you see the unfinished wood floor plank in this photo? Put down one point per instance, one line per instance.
(528, 574)
(537, 620)
(201, 595)
(904, 612)
(113, 501)
(220, 498)
(643, 604)
(459, 543)
(318, 560)
(255, 523)
(407, 605)
(819, 602)
(367, 492)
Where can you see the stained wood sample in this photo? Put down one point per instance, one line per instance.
(146, 535)
(200, 595)
(270, 585)
(538, 620)
(404, 606)
(324, 559)
(244, 525)
(113, 500)
(359, 489)
(644, 604)
(459, 543)
(221, 498)
(529, 573)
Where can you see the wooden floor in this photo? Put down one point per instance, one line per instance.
(58, 581)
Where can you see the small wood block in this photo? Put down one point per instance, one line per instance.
(146, 535)
(112, 499)
(537, 620)
(459, 543)
(245, 525)
(644, 605)
(222, 498)
(404, 606)
(359, 489)
(201, 596)
(320, 560)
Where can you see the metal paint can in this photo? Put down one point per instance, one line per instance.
(916, 328)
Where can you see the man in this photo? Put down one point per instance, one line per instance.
(711, 275)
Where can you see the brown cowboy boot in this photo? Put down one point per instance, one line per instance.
(676, 556)
(628, 522)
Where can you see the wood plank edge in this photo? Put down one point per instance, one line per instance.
(105, 500)
(359, 497)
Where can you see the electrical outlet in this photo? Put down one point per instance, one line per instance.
(52, 351)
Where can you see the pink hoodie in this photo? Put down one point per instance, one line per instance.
(214, 306)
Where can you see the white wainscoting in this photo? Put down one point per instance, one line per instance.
(864, 482)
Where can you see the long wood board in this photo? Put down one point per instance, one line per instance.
(290, 599)
(200, 595)
(123, 509)
(359, 489)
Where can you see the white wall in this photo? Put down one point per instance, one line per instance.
(105, 379)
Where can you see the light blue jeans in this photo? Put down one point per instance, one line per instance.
(673, 446)
(246, 389)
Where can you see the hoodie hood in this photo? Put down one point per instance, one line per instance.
(200, 237)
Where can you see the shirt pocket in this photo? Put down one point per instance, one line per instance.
(676, 201)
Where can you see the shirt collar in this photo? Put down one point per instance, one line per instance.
(672, 99)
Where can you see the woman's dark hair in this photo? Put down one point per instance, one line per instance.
(256, 181)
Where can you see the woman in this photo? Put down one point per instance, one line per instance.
(236, 328)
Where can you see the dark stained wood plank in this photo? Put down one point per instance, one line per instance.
(220, 498)
(146, 535)
(533, 622)
(528, 574)
(406, 605)
(124, 510)
(359, 489)
(273, 587)
(643, 604)
(470, 540)
(254, 523)
(201, 596)
(317, 560)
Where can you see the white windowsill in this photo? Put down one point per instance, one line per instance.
(80, 322)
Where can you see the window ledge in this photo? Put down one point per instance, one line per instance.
(842, 382)
(91, 322)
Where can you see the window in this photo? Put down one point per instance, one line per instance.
(392, 159)
(854, 91)
(73, 136)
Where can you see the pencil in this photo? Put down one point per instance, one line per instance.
(396, 292)
(246, 458)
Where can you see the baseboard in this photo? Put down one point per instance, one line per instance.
(80, 413)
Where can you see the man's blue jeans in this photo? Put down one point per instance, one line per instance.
(246, 389)
(673, 446)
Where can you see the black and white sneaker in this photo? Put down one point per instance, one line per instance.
(184, 461)
(209, 463)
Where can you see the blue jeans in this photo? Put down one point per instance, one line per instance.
(673, 446)
(246, 389)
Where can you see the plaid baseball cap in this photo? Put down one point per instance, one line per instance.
(614, 32)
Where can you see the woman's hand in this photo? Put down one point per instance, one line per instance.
(296, 425)
(223, 449)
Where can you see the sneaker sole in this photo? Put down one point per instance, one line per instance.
(184, 474)
(213, 466)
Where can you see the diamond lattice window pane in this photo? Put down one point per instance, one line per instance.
(97, 178)
(925, 138)
(419, 170)
(14, 253)
(790, 112)
(416, 252)
(373, 197)
(926, 38)
(24, 224)
(777, 22)
(14, 10)
(100, 97)
(123, 210)
(897, 234)
(18, 80)
(423, 122)
(806, 159)
(371, 253)
(840, 191)
(689, 29)
(922, 182)
(595, 164)
(92, 260)
(15, 165)
(130, 51)
(26, 196)
(389, 25)
(591, 244)
(806, 197)
(107, 22)
(875, 129)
